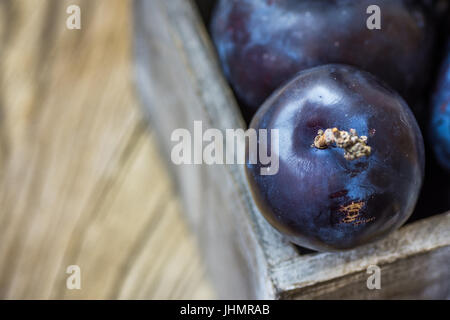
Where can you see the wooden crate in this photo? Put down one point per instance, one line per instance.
(179, 80)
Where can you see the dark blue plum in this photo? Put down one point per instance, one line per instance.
(263, 43)
(319, 199)
(440, 119)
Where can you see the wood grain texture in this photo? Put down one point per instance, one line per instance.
(81, 180)
(180, 81)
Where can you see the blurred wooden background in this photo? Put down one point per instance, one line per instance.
(81, 180)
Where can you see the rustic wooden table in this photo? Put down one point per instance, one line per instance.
(81, 179)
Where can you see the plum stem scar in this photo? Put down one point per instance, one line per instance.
(354, 146)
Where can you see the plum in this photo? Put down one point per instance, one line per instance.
(440, 119)
(351, 159)
(263, 43)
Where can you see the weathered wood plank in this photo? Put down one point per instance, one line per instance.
(421, 276)
(82, 181)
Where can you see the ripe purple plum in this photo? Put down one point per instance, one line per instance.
(263, 43)
(440, 119)
(351, 159)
